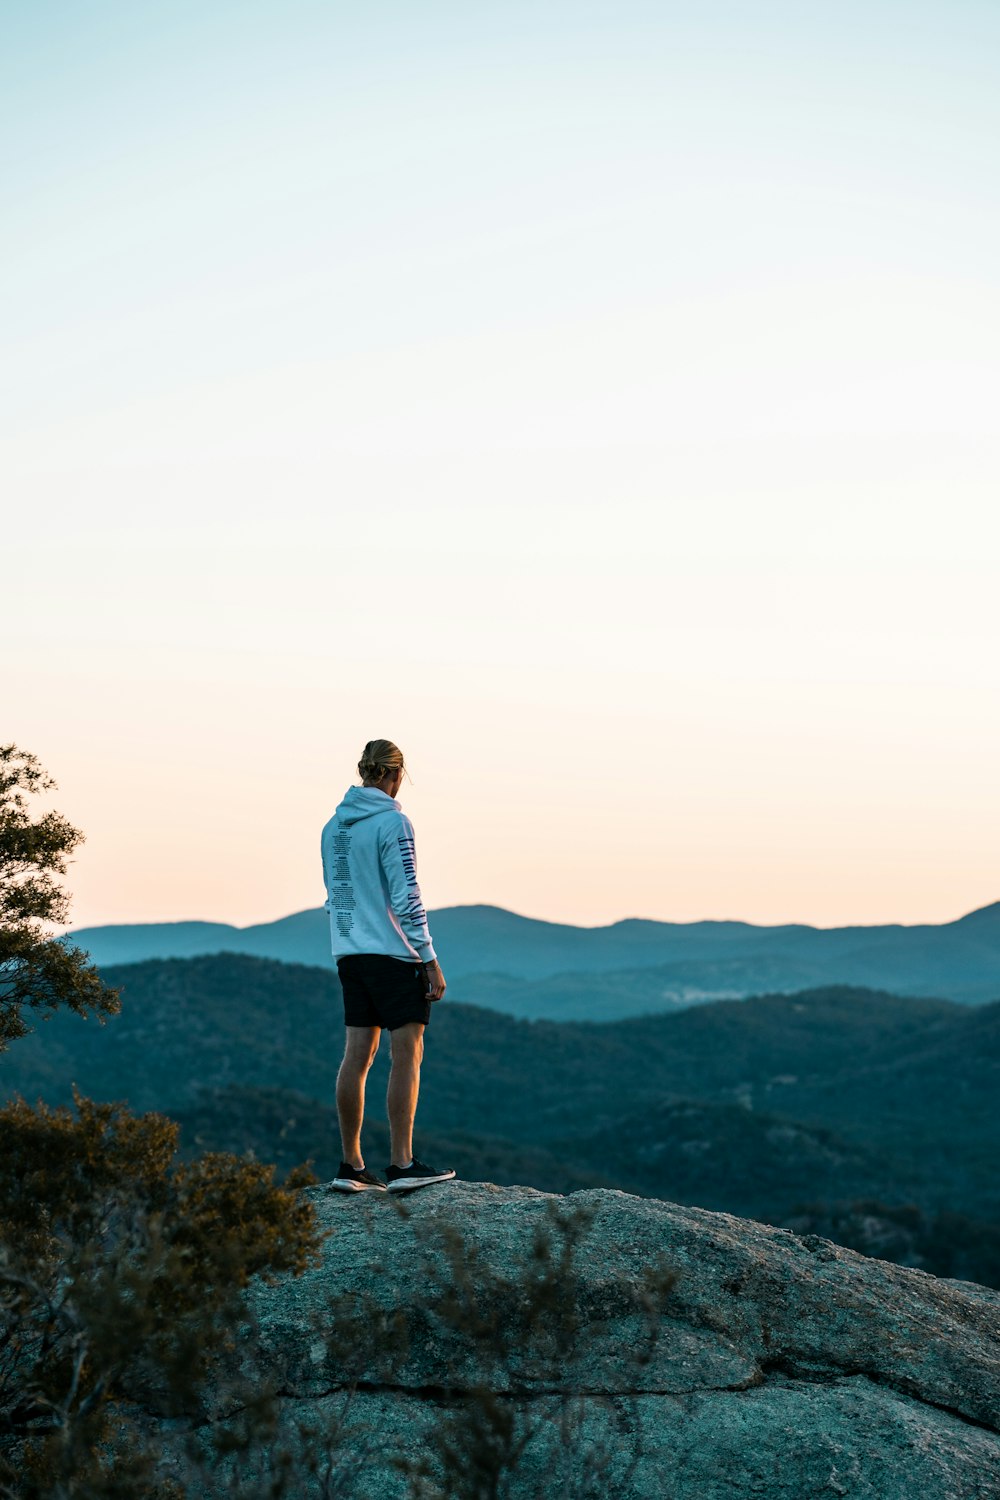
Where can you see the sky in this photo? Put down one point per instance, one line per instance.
(597, 400)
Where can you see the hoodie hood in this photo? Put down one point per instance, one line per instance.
(363, 802)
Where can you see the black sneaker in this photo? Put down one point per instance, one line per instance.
(356, 1179)
(417, 1174)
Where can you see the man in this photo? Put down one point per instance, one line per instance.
(386, 961)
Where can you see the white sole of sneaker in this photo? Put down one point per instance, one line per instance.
(406, 1185)
(344, 1185)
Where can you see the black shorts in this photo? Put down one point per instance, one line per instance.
(382, 991)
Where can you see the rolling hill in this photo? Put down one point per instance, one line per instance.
(548, 970)
(907, 1086)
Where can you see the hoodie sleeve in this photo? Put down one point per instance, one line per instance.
(398, 854)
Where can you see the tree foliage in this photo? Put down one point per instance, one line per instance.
(35, 970)
(121, 1274)
(121, 1268)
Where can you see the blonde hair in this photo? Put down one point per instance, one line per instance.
(378, 758)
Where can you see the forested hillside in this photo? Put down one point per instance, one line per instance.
(790, 1108)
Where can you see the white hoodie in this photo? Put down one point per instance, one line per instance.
(370, 873)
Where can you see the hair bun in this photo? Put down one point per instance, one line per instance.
(378, 759)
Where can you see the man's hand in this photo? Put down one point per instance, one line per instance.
(435, 980)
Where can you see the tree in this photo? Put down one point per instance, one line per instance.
(36, 971)
(121, 1282)
(121, 1270)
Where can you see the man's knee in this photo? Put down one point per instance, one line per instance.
(407, 1041)
(361, 1046)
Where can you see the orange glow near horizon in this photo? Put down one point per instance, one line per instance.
(783, 819)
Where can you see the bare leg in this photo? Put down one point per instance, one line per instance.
(359, 1054)
(407, 1044)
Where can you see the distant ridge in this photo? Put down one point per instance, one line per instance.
(529, 967)
(990, 913)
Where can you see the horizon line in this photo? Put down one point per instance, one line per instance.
(523, 916)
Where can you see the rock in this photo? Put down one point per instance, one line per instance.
(772, 1366)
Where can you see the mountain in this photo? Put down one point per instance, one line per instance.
(301, 938)
(544, 969)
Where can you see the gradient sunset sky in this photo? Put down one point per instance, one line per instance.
(599, 400)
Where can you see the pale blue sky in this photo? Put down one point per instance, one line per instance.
(589, 386)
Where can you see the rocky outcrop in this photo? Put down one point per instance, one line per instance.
(752, 1362)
